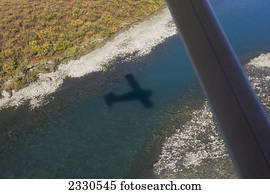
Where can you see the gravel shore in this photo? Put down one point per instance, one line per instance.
(139, 39)
(196, 150)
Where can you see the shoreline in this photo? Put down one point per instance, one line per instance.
(126, 43)
(155, 29)
(196, 146)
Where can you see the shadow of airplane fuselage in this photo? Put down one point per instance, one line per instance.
(136, 94)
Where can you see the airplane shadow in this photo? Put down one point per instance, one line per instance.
(137, 93)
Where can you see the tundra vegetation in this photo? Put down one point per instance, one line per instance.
(37, 35)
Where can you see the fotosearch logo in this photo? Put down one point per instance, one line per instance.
(163, 186)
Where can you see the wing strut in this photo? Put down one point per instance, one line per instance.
(243, 122)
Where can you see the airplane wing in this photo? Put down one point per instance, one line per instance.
(132, 82)
(244, 124)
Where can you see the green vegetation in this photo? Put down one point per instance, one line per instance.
(33, 32)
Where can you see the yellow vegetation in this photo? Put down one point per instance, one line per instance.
(35, 31)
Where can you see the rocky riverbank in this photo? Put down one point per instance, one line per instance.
(138, 40)
(196, 149)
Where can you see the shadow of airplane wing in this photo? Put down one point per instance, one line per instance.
(132, 82)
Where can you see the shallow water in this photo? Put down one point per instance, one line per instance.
(77, 135)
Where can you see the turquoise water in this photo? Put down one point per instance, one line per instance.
(77, 135)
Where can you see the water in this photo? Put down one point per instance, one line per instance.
(246, 23)
(77, 136)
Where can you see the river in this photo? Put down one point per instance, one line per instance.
(76, 135)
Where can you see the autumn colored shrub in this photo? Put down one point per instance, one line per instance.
(33, 32)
